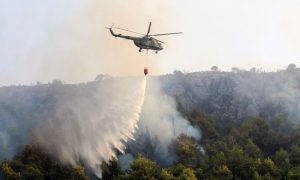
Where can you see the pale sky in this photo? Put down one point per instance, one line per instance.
(66, 40)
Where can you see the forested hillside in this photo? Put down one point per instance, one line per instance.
(237, 95)
(249, 123)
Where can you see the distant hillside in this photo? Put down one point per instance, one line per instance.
(233, 96)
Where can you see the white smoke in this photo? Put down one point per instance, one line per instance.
(161, 123)
(125, 160)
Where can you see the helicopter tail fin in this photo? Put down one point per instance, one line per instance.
(111, 31)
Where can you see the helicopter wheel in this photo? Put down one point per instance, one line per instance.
(156, 52)
(140, 50)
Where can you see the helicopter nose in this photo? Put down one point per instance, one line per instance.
(160, 47)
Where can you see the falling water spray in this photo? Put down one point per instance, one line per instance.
(90, 130)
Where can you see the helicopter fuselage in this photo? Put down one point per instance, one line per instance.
(148, 43)
(144, 42)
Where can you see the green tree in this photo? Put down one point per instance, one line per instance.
(8, 172)
(214, 68)
(187, 151)
(239, 163)
(268, 169)
(263, 136)
(296, 136)
(217, 160)
(187, 174)
(295, 156)
(142, 169)
(294, 173)
(252, 150)
(182, 172)
(291, 68)
(222, 172)
(220, 145)
(282, 160)
(34, 163)
(31, 171)
(206, 124)
(166, 175)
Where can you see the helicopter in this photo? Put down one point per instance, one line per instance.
(147, 41)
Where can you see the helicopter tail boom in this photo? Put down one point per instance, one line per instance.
(120, 35)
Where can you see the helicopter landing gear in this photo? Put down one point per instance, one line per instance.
(140, 50)
(156, 52)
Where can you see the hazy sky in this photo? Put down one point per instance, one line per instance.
(46, 40)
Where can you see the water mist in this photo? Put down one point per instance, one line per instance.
(77, 124)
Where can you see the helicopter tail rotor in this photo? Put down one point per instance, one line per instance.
(110, 27)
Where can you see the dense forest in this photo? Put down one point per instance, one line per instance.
(249, 123)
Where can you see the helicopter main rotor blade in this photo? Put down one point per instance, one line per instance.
(129, 31)
(149, 28)
(165, 34)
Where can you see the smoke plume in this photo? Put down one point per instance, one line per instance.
(159, 126)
